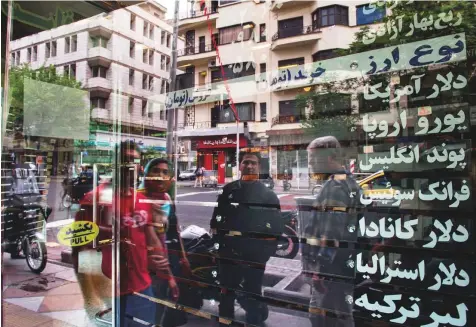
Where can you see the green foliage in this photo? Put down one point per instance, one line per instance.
(18, 75)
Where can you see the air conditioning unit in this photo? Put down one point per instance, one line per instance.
(212, 63)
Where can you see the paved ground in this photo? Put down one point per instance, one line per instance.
(55, 298)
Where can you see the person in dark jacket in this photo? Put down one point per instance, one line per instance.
(331, 212)
(247, 218)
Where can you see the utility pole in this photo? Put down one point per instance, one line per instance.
(172, 116)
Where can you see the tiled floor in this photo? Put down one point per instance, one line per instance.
(50, 299)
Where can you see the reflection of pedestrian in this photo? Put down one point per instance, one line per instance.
(337, 199)
(157, 184)
(136, 236)
(199, 176)
(240, 230)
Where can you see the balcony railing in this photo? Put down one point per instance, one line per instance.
(195, 125)
(197, 13)
(295, 31)
(195, 50)
(288, 119)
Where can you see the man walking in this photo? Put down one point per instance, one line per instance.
(332, 209)
(246, 219)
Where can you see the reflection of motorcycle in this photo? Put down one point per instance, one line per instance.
(75, 188)
(24, 220)
(288, 243)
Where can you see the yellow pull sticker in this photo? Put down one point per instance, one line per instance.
(78, 233)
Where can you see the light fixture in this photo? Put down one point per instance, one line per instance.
(307, 89)
(288, 66)
(248, 26)
(187, 65)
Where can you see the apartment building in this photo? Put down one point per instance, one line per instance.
(122, 59)
(256, 38)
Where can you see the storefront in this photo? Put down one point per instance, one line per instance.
(218, 153)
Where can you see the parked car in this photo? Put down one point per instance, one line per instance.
(187, 175)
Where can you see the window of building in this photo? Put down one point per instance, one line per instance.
(145, 81)
(288, 113)
(15, 58)
(97, 102)
(151, 31)
(262, 111)
(34, 54)
(290, 63)
(71, 44)
(133, 22)
(132, 49)
(163, 114)
(167, 63)
(169, 38)
(162, 62)
(236, 33)
(262, 70)
(144, 107)
(377, 15)
(151, 57)
(70, 70)
(162, 37)
(74, 43)
(50, 49)
(99, 41)
(99, 71)
(324, 55)
(290, 27)
(246, 112)
(151, 83)
(130, 105)
(262, 33)
(131, 77)
(28, 55)
(332, 15)
(146, 29)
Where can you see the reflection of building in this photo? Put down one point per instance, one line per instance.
(122, 58)
(266, 37)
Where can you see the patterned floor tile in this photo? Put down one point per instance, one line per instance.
(54, 303)
(30, 303)
(76, 318)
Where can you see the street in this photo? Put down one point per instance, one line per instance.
(194, 205)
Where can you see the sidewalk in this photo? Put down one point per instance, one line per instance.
(54, 298)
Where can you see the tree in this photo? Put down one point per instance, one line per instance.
(44, 103)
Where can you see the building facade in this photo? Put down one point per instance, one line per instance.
(256, 40)
(122, 60)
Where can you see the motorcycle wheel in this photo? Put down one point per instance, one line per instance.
(288, 244)
(67, 201)
(35, 253)
(316, 189)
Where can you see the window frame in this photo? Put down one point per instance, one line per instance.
(335, 7)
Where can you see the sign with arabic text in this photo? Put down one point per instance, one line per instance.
(220, 142)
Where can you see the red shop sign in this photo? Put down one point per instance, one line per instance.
(220, 142)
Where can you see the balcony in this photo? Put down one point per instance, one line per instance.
(195, 55)
(288, 119)
(101, 114)
(99, 86)
(196, 18)
(289, 4)
(207, 128)
(99, 56)
(290, 37)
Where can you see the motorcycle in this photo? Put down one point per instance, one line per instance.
(24, 220)
(76, 187)
(288, 243)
